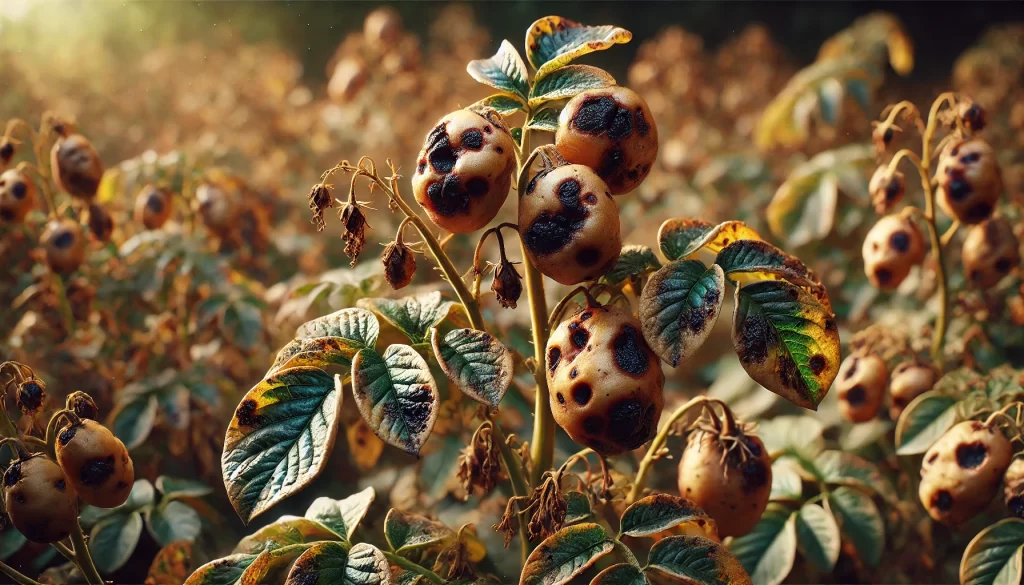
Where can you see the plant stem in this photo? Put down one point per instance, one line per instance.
(519, 486)
(83, 557)
(408, 565)
(628, 554)
(63, 305)
(16, 576)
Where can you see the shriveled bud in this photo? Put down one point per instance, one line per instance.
(30, 396)
(399, 264)
(972, 115)
(101, 225)
(320, 199)
(355, 230)
(480, 462)
(882, 136)
(83, 405)
(6, 152)
(507, 284)
(886, 189)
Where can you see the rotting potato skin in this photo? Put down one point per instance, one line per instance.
(860, 387)
(892, 247)
(734, 493)
(464, 170)
(41, 503)
(908, 381)
(77, 166)
(83, 447)
(152, 207)
(970, 182)
(953, 493)
(17, 196)
(64, 242)
(605, 383)
(569, 224)
(1013, 488)
(990, 252)
(612, 131)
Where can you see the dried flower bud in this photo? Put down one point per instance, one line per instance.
(972, 115)
(6, 152)
(355, 230)
(30, 396)
(101, 225)
(507, 284)
(456, 557)
(83, 405)
(882, 136)
(320, 199)
(480, 462)
(399, 264)
(886, 190)
(549, 515)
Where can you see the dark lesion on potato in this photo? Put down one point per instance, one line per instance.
(971, 455)
(551, 232)
(631, 422)
(96, 472)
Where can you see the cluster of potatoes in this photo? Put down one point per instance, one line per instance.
(864, 377)
(92, 466)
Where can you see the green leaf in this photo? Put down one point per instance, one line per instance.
(830, 100)
(331, 563)
(786, 340)
(786, 482)
(994, 556)
(769, 550)
(818, 536)
(10, 542)
(566, 82)
(517, 135)
(280, 438)
(479, 365)
(860, 522)
(342, 516)
(746, 256)
(679, 307)
(923, 421)
(799, 435)
(318, 352)
(658, 513)
(223, 571)
(839, 468)
(133, 419)
(502, 103)
(620, 574)
(113, 540)
(544, 119)
(353, 324)
(396, 395)
(172, 521)
(413, 316)
(243, 324)
(408, 532)
(577, 507)
(553, 41)
(173, 487)
(269, 561)
(697, 559)
(634, 260)
(505, 71)
(286, 531)
(565, 554)
(681, 238)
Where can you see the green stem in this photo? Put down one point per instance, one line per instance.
(64, 550)
(16, 576)
(83, 557)
(408, 565)
(65, 307)
(519, 486)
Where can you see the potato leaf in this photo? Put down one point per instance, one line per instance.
(872, 37)
(280, 437)
(332, 563)
(577, 507)
(408, 532)
(318, 352)
(286, 531)
(839, 468)
(923, 421)
(396, 395)
(786, 340)
(413, 316)
(553, 41)
(223, 571)
(679, 307)
(861, 522)
(818, 536)
(787, 486)
(113, 540)
(545, 119)
(565, 554)
(172, 564)
(769, 550)
(354, 324)
(659, 512)
(696, 559)
(620, 574)
(343, 516)
(268, 561)
(566, 82)
(634, 260)
(681, 238)
(505, 71)
(172, 521)
(994, 556)
(755, 260)
(502, 103)
(479, 365)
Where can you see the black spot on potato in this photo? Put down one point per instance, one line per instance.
(588, 256)
(1016, 506)
(13, 474)
(883, 276)
(155, 203)
(958, 189)
(477, 187)
(96, 472)
(581, 393)
(579, 336)
(561, 399)
(63, 240)
(856, 396)
(595, 115)
(447, 197)
(1003, 265)
(630, 423)
(900, 241)
(755, 474)
(629, 355)
(943, 500)
(611, 162)
(19, 190)
(472, 139)
(60, 484)
(593, 425)
(642, 128)
(978, 212)
(971, 455)
(554, 356)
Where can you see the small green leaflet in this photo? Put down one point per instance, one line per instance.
(408, 532)
(565, 554)
(342, 516)
(544, 119)
(396, 395)
(505, 71)
(568, 81)
(679, 307)
(479, 365)
(413, 316)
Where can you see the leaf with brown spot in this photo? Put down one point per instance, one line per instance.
(786, 340)
(397, 395)
(286, 531)
(697, 559)
(565, 554)
(553, 41)
(172, 564)
(681, 238)
(319, 352)
(224, 571)
(280, 438)
(479, 365)
(332, 563)
(658, 513)
(746, 261)
(409, 532)
(679, 307)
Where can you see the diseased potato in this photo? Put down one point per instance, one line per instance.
(892, 247)
(40, 501)
(96, 463)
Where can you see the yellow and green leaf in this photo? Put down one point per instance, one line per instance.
(994, 556)
(746, 261)
(287, 531)
(396, 395)
(697, 559)
(658, 513)
(343, 516)
(224, 571)
(358, 326)
(172, 564)
(681, 238)
(553, 41)
(408, 532)
(333, 563)
(318, 352)
(679, 307)
(565, 554)
(479, 365)
(566, 82)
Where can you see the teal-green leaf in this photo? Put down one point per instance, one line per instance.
(332, 563)
(280, 438)
(342, 516)
(544, 119)
(577, 507)
(10, 542)
(413, 316)
(769, 550)
(172, 521)
(133, 419)
(818, 536)
(505, 71)
(745, 256)
(318, 352)
(396, 395)
(408, 532)
(565, 554)
(659, 512)
(112, 541)
(634, 260)
(553, 41)
(696, 559)
(923, 421)
(223, 571)
(839, 468)
(479, 365)
(286, 531)
(787, 486)
(620, 574)
(861, 522)
(786, 340)
(681, 238)
(173, 487)
(679, 307)
(354, 324)
(830, 100)
(566, 82)
(994, 556)
(502, 103)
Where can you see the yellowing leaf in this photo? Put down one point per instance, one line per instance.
(553, 41)
(681, 238)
